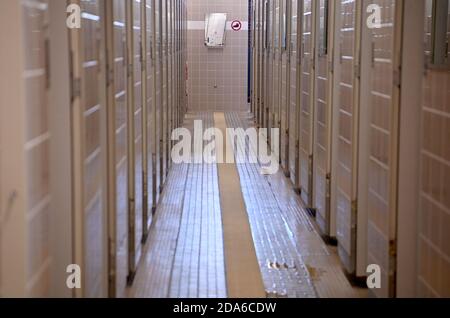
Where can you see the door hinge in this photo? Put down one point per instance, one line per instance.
(47, 64)
(76, 88)
(354, 214)
(331, 66)
(397, 78)
(328, 185)
(393, 249)
(331, 62)
(357, 71)
(130, 70)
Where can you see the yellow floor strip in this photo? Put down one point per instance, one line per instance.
(241, 264)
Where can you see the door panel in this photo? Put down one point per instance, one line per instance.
(160, 93)
(138, 128)
(121, 121)
(164, 93)
(37, 147)
(170, 83)
(347, 146)
(276, 66)
(260, 48)
(383, 151)
(254, 62)
(269, 65)
(306, 103)
(90, 149)
(158, 96)
(293, 93)
(285, 85)
(149, 112)
(322, 140)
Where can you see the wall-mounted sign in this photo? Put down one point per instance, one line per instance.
(236, 25)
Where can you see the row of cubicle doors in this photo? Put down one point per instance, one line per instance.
(99, 106)
(146, 54)
(330, 75)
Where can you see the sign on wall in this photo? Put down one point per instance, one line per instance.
(236, 25)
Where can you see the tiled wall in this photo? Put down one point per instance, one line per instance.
(434, 220)
(35, 14)
(217, 77)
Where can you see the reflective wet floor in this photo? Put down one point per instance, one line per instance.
(185, 257)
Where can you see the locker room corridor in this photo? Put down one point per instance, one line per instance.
(241, 149)
(185, 254)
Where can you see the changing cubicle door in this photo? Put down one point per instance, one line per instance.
(260, 56)
(294, 123)
(120, 218)
(157, 111)
(167, 90)
(37, 152)
(180, 70)
(322, 119)
(152, 65)
(253, 65)
(276, 66)
(147, 118)
(25, 269)
(262, 44)
(164, 93)
(138, 32)
(134, 111)
(89, 148)
(173, 81)
(307, 102)
(285, 84)
(383, 138)
(346, 181)
(256, 60)
(176, 63)
(264, 61)
(268, 100)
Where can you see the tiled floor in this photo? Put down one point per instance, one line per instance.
(285, 217)
(184, 256)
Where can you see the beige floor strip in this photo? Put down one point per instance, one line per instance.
(243, 273)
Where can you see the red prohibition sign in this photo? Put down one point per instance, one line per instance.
(236, 25)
